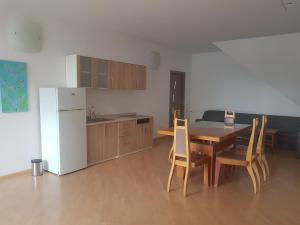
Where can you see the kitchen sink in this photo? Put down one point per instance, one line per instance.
(98, 120)
(132, 116)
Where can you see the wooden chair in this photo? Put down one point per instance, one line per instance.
(175, 115)
(260, 149)
(236, 157)
(183, 157)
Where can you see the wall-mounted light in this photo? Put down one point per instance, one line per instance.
(287, 4)
(154, 60)
(25, 36)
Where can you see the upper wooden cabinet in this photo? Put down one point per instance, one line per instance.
(139, 77)
(115, 79)
(99, 73)
(90, 72)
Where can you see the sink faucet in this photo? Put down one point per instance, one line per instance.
(91, 114)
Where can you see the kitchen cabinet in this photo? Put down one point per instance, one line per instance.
(111, 141)
(139, 77)
(128, 76)
(78, 71)
(95, 143)
(127, 137)
(116, 80)
(99, 73)
(82, 71)
(102, 142)
(144, 133)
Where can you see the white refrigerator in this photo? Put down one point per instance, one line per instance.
(63, 129)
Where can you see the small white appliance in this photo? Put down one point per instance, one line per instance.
(63, 129)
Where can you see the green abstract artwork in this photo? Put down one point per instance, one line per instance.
(13, 87)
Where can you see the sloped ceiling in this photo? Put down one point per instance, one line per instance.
(274, 59)
(191, 25)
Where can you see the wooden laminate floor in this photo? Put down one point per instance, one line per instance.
(132, 190)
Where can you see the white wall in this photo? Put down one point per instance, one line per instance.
(274, 59)
(219, 82)
(19, 132)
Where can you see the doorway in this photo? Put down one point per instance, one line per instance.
(177, 95)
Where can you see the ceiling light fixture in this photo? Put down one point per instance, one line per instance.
(25, 36)
(286, 4)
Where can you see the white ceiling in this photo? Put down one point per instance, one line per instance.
(191, 25)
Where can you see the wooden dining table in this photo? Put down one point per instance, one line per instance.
(210, 138)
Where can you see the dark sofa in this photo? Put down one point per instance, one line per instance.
(288, 126)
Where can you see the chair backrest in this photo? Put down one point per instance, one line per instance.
(261, 140)
(181, 138)
(229, 118)
(252, 141)
(176, 113)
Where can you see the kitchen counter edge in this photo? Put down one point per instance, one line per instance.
(117, 120)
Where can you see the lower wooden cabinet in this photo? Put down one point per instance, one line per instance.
(95, 143)
(102, 142)
(127, 137)
(110, 140)
(144, 134)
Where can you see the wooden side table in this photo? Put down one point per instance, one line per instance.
(271, 138)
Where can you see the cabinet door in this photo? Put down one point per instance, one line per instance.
(139, 136)
(84, 71)
(139, 77)
(127, 137)
(127, 77)
(115, 75)
(99, 73)
(144, 135)
(111, 141)
(95, 143)
(148, 133)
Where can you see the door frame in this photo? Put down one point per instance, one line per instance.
(182, 74)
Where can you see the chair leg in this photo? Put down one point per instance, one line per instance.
(254, 166)
(217, 173)
(252, 176)
(171, 154)
(227, 171)
(262, 166)
(185, 180)
(234, 169)
(263, 157)
(206, 174)
(170, 177)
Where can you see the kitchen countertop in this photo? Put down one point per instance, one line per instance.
(117, 118)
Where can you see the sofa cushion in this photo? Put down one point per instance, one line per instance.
(213, 115)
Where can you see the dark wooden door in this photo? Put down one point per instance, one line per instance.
(177, 95)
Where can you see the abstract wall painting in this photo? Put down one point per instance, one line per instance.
(13, 87)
